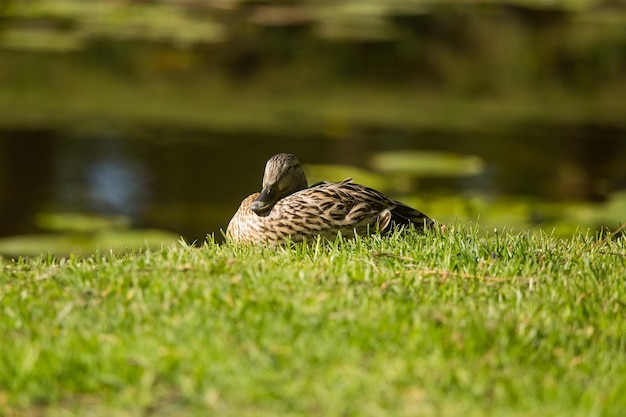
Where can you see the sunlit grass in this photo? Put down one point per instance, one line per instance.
(450, 322)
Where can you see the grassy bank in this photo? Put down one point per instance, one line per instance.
(448, 323)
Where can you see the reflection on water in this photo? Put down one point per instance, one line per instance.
(100, 174)
(190, 183)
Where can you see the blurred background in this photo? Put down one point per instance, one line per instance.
(125, 124)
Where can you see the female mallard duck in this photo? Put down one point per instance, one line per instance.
(287, 209)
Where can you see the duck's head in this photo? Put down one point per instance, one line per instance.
(283, 176)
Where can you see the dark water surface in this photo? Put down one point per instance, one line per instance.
(190, 182)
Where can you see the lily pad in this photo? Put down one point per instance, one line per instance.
(40, 40)
(79, 222)
(427, 163)
(85, 244)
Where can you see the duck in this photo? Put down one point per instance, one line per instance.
(289, 210)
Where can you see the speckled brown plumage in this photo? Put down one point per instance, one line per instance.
(287, 210)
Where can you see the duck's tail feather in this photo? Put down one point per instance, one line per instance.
(403, 215)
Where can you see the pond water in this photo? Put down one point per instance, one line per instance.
(190, 182)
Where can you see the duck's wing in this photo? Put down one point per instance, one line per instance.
(403, 215)
(366, 201)
(325, 209)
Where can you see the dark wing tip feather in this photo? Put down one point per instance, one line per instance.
(403, 215)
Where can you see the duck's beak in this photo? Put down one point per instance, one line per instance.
(264, 203)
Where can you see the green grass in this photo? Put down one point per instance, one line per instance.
(460, 322)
